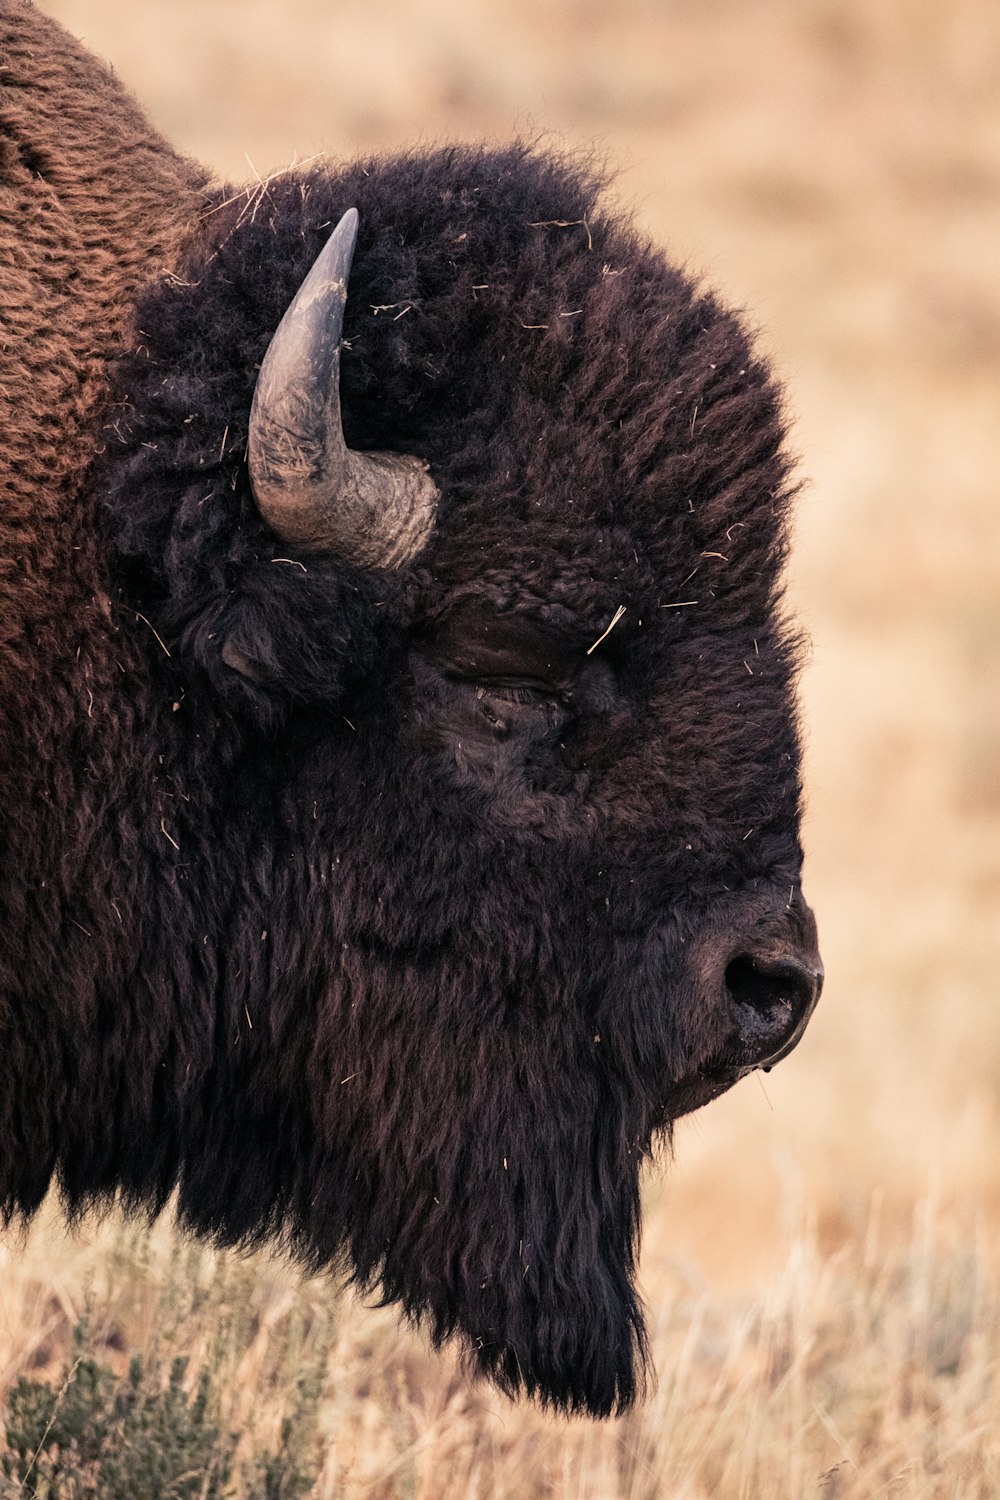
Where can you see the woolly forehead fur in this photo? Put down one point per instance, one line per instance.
(597, 426)
(600, 429)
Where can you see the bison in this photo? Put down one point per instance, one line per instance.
(400, 770)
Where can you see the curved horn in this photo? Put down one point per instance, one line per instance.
(374, 509)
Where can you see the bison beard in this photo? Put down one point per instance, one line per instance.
(378, 910)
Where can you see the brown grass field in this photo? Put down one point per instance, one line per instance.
(821, 1260)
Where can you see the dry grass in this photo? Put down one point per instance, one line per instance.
(870, 1372)
(833, 165)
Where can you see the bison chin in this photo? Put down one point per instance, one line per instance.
(538, 1285)
(578, 1346)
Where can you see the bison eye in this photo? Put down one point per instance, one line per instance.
(519, 692)
(511, 708)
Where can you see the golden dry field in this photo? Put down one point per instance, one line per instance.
(821, 1260)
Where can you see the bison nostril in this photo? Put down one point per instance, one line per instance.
(765, 984)
(772, 998)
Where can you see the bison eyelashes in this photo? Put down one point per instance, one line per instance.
(372, 509)
(518, 692)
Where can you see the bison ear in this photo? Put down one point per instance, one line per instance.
(285, 637)
(234, 656)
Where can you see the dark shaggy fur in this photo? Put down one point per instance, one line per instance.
(369, 946)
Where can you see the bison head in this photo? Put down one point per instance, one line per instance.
(479, 707)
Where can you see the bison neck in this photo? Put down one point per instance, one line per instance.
(93, 204)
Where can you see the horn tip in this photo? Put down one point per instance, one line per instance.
(347, 227)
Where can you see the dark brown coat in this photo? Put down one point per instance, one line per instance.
(401, 938)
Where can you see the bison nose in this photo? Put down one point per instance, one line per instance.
(771, 996)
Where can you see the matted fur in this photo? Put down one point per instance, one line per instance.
(403, 971)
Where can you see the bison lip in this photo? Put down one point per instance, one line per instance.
(732, 1064)
(694, 1093)
(707, 1084)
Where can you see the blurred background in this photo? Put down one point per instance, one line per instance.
(833, 166)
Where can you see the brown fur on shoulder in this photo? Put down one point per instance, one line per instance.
(93, 203)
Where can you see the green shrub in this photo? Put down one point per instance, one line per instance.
(171, 1427)
(148, 1435)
